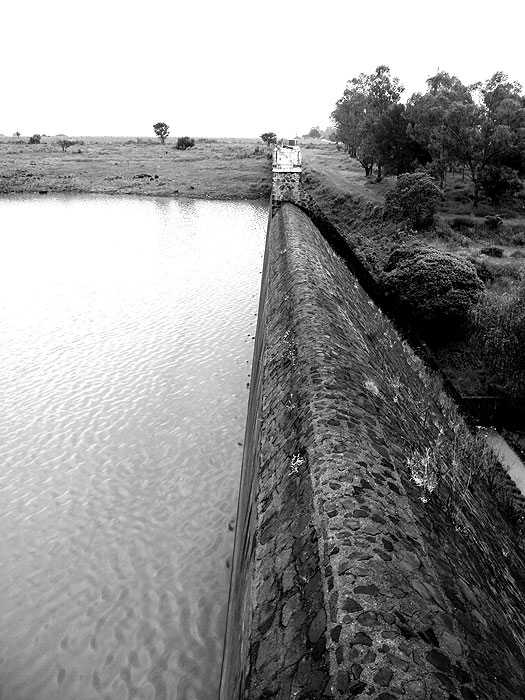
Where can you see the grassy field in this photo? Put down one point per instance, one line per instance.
(213, 168)
(354, 204)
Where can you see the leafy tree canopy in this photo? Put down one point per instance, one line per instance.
(269, 137)
(314, 133)
(162, 130)
(365, 100)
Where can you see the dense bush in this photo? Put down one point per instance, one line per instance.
(438, 290)
(36, 138)
(184, 142)
(414, 198)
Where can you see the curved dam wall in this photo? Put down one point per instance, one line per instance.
(349, 578)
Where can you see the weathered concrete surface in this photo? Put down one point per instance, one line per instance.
(345, 583)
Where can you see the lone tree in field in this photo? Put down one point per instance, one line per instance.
(65, 144)
(162, 130)
(269, 137)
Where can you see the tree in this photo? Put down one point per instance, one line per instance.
(426, 116)
(348, 117)
(36, 138)
(398, 152)
(414, 198)
(17, 134)
(269, 137)
(65, 144)
(314, 133)
(162, 130)
(365, 100)
(500, 182)
(489, 132)
(185, 142)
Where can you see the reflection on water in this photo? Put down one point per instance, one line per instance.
(126, 331)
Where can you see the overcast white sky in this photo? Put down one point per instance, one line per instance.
(231, 68)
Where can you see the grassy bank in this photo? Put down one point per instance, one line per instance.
(214, 168)
(475, 362)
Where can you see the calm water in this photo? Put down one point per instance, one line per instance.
(126, 331)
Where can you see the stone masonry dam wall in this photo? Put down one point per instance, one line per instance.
(348, 579)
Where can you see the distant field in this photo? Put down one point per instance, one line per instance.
(214, 168)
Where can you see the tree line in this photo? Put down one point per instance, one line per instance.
(478, 129)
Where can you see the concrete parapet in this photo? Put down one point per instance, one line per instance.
(348, 580)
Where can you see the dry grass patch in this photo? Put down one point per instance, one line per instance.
(218, 169)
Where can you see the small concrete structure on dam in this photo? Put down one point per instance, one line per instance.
(356, 573)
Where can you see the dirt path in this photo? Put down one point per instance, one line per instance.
(345, 174)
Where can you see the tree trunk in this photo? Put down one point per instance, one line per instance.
(476, 194)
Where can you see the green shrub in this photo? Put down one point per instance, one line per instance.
(438, 290)
(36, 138)
(184, 142)
(414, 198)
(492, 251)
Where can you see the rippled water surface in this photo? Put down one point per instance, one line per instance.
(126, 331)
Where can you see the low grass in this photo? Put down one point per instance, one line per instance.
(213, 168)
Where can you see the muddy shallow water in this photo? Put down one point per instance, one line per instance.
(126, 331)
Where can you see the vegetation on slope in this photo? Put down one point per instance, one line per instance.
(481, 350)
(457, 151)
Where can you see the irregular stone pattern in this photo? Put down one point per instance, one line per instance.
(286, 187)
(346, 584)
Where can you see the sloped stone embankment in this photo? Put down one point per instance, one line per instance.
(349, 578)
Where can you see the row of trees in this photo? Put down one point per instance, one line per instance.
(479, 128)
